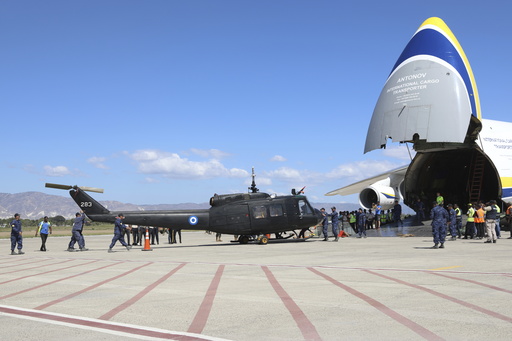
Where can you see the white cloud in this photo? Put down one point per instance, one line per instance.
(173, 166)
(210, 153)
(295, 177)
(56, 171)
(278, 158)
(361, 169)
(98, 162)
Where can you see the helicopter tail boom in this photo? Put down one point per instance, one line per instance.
(90, 206)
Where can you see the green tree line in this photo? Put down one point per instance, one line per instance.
(56, 221)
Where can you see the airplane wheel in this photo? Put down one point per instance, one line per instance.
(263, 240)
(243, 240)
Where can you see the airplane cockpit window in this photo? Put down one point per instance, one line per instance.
(304, 208)
(259, 212)
(276, 210)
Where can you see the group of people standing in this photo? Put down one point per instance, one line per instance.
(483, 219)
(120, 231)
(360, 220)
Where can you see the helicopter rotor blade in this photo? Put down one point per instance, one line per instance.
(58, 186)
(91, 189)
(83, 188)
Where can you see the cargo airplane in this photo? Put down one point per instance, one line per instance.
(430, 99)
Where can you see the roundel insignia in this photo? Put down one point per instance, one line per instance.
(193, 220)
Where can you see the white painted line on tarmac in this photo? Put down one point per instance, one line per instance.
(107, 327)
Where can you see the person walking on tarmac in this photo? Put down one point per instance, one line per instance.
(44, 228)
(76, 233)
(118, 233)
(16, 235)
(439, 218)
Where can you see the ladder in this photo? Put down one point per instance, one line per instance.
(476, 177)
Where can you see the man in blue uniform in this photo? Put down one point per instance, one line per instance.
(361, 223)
(76, 233)
(420, 210)
(118, 233)
(397, 214)
(452, 223)
(325, 224)
(16, 237)
(334, 221)
(439, 218)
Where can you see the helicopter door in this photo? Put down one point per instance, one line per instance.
(303, 213)
(268, 218)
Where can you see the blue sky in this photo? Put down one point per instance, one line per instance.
(173, 101)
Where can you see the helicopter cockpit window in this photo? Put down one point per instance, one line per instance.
(304, 208)
(276, 210)
(259, 212)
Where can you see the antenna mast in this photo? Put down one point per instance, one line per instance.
(253, 188)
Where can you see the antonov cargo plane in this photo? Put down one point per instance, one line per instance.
(430, 99)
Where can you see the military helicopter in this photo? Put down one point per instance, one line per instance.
(252, 216)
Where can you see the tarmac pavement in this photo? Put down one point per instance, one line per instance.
(371, 288)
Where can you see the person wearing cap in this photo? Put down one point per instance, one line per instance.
(470, 223)
(44, 228)
(16, 235)
(118, 233)
(76, 232)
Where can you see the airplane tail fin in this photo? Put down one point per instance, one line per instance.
(87, 203)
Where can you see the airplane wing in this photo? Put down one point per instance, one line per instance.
(360, 185)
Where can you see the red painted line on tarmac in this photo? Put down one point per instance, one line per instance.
(62, 299)
(449, 298)
(58, 280)
(140, 295)
(34, 267)
(307, 328)
(420, 330)
(508, 274)
(47, 272)
(203, 313)
(474, 282)
(101, 325)
(27, 260)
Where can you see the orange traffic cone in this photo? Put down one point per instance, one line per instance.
(146, 241)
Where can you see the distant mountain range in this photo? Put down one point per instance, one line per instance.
(35, 205)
